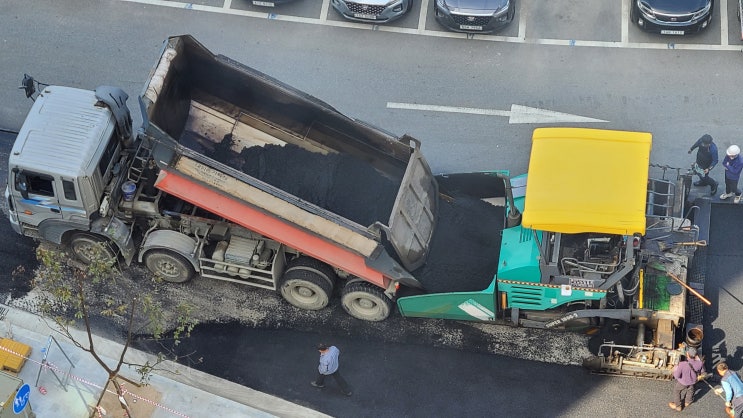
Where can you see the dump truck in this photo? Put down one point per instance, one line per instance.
(239, 177)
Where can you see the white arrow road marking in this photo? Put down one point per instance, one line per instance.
(517, 114)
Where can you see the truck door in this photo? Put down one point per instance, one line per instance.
(35, 197)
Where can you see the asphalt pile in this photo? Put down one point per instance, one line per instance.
(339, 183)
(463, 254)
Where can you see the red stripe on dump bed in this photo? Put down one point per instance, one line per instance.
(276, 229)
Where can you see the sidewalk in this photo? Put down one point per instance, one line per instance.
(184, 392)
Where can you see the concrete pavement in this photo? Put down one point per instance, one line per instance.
(67, 381)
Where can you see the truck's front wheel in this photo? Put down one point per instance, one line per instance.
(365, 301)
(89, 247)
(308, 283)
(169, 266)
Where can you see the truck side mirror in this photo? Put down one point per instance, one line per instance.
(21, 183)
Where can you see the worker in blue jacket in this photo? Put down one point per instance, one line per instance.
(733, 164)
(733, 388)
(329, 367)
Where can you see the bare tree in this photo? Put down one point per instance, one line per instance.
(72, 294)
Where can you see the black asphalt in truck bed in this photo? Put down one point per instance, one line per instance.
(463, 254)
(339, 183)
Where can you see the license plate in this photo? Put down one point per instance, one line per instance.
(581, 283)
(470, 27)
(364, 16)
(671, 32)
(264, 3)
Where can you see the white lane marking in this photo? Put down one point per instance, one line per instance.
(723, 5)
(433, 33)
(625, 21)
(522, 21)
(227, 4)
(517, 115)
(423, 16)
(324, 11)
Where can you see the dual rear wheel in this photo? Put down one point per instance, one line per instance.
(308, 284)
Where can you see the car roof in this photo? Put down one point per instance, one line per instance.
(62, 132)
(587, 180)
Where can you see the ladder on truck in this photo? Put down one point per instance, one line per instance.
(140, 160)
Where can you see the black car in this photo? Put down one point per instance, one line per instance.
(672, 17)
(474, 16)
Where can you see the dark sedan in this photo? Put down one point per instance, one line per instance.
(374, 11)
(672, 17)
(474, 16)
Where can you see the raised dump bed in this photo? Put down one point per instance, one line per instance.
(216, 121)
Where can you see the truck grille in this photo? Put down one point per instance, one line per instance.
(471, 20)
(366, 9)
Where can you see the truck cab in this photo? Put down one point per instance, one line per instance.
(66, 159)
(61, 163)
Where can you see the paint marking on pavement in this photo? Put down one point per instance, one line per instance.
(625, 21)
(723, 22)
(517, 115)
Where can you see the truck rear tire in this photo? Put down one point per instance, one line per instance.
(308, 283)
(365, 301)
(88, 247)
(169, 266)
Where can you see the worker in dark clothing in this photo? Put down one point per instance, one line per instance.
(707, 159)
(687, 374)
(329, 367)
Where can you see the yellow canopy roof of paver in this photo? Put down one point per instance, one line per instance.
(587, 180)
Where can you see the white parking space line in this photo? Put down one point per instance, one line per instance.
(423, 16)
(625, 21)
(324, 11)
(521, 38)
(522, 21)
(227, 4)
(723, 5)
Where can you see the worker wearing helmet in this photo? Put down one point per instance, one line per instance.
(733, 165)
(707, 159)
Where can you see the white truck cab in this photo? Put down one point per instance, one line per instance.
(61, 163)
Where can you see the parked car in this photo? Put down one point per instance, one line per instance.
(474, 16)
(672, 17)
(376, 11)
